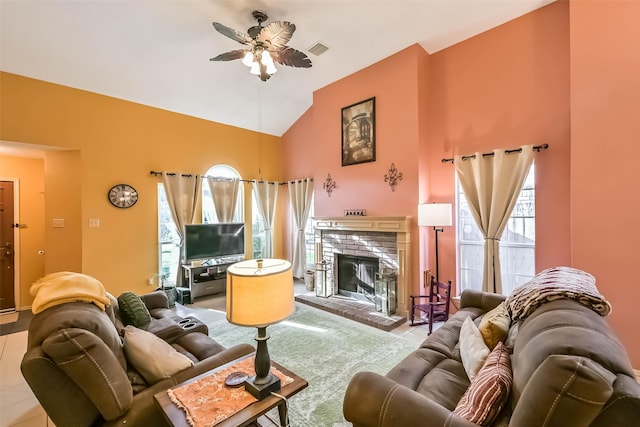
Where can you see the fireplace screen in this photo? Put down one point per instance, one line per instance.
(357, 276)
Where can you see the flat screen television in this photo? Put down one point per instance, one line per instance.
(207, 241)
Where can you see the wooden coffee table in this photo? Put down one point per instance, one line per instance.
(245, 417)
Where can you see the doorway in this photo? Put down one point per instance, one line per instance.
(7, 247)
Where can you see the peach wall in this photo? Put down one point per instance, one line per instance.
(313, 143)
(605, 106)
(29, 173)
(502, 89)
(118, 141)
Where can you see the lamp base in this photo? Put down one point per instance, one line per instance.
(260, 391)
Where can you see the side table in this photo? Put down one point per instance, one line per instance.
(245, 417)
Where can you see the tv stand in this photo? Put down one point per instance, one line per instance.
(205, 279)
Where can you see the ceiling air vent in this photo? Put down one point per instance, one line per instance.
(318, 49)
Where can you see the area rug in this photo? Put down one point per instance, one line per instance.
(324, 349)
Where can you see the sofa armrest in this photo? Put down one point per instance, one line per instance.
(483, 300)
(377, 401)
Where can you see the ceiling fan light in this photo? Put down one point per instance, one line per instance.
(255, 68)
(266, 58)
(271, 68)
(248, 59)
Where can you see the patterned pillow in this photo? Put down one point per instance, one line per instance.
(489, 390)
(133, 311)
(494, 326)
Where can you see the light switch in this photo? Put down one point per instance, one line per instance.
(94, 222)
(58, 223)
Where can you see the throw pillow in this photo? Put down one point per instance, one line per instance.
(494, 326)
(489, 390)
(151, 356)
(473, 350)
(133, 311)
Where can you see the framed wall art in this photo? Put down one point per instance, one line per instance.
(359, 132)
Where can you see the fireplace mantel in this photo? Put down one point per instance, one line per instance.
(390, 224)
(400, 226)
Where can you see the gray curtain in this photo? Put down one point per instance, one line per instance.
(492, 185)
(182, 195)
(224, 192)
(300, 196)
(267, 196)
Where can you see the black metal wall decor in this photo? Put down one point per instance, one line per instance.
(329, 185)
(393, 177)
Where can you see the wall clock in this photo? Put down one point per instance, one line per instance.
(123, 196)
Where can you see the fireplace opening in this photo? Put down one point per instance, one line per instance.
(357, 276)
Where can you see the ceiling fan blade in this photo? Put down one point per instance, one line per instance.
(277, 34)
(236, 35)
(291, 57)
(230, 56)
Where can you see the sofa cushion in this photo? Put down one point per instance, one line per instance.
(494, 325)
(473, 350)
(489, 390)
(152, 357)
(133, 311)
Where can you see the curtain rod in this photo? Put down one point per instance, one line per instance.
(516, 150)
(188, 175)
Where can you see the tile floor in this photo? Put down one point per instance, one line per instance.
(20, 408)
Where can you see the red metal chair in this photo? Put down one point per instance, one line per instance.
(433, 307)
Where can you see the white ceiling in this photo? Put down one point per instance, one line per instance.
(156, 52)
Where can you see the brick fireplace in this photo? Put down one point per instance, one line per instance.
(384, 238)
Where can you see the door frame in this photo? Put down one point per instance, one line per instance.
(16, 240)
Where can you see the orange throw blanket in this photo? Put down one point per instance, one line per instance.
(66, 286)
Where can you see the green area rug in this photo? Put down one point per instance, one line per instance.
(324, 349)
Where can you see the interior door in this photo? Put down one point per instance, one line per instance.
(7, 270)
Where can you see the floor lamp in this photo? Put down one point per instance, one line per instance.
(435, 215)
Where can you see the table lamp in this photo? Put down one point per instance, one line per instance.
(435, 215)
(259, 294)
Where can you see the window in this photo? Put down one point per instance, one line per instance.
(257, 230)
(517, 245)
(208, 211)
(168, 240)
(309, 239)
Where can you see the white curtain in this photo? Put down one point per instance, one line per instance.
(182, 195)
(266, 195)
(300, 196)
(225, 196)
(491, 185)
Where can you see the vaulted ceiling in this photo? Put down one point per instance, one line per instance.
(156, 52)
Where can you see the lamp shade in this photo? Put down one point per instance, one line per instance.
(259, 292)
(434, 214)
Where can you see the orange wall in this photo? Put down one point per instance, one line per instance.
(505, 88)
(116, 141)
(31, 184)
(313, 144)
(605, 129)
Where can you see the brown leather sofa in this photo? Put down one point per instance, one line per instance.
(76, 366)
(568, 370)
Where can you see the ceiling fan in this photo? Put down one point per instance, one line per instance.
(264, 46)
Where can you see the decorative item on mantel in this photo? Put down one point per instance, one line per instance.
(355, 212)
(393, 177)
(329, 185)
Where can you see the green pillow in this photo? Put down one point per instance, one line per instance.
(132, 310)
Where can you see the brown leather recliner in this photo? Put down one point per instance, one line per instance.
(568, 370)
(77, 369)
